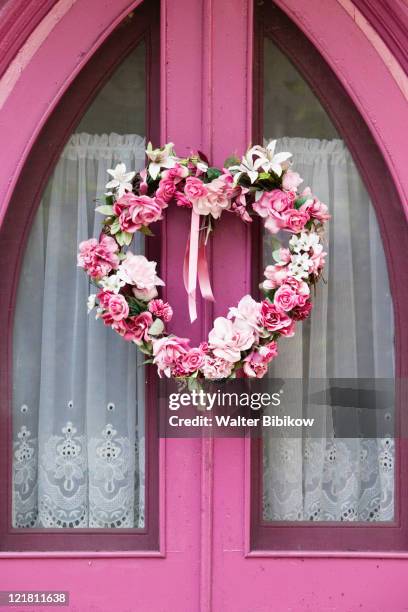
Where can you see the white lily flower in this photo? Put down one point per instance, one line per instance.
(120, 179)
(248, 166)
(160, 158)
(91, 302)
(268, 159)
(112, 283)
(202, 166)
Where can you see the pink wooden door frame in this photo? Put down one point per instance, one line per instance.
(204, 484)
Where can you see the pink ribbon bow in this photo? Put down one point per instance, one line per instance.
(195, 266)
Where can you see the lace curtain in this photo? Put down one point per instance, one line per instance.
(349, 335)
(78, 400)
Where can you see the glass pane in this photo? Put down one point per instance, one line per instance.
(78, 401)
(330, 478)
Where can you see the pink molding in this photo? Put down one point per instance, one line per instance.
(390, 20)
(18, 19)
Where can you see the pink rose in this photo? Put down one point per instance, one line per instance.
(166, 352)
(204, 348)
(176, 174)
(275, 200)
(166, 190)
(98, 258)
(275, 276)
(227, 339)
(214, 202)
(146, 210)
(291, 293)
(182, 200)
(302, 312)
(291, 181)
(318, 258)
(137, 328)
(215, 368)
(256, 363)
(161, 309)
(127, 224)
(195, 189)
(139, 272)
(295, 220)
(123, 203)
(288, 331)
(248, 310)
(275, 222)
(315, 209)
(285, 297)
(273, 318)
(118, 307)
(191, 361)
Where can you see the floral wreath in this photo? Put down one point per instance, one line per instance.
(261, 183)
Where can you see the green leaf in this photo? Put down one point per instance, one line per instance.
(124, 238)
(264, 176)
(109, 200)
(276, 255)
(145, 348)
(213, 173)
(156, 328)
(298, 203)
(232, 161)
(146, 231)
(115, 227)
(127, 238)
(106, 209)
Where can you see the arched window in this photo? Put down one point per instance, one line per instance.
(335, 479)
(82, 462)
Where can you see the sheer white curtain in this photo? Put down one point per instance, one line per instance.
(349, 335)
(78, 401)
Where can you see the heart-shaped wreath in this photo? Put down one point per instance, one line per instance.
(262, 182)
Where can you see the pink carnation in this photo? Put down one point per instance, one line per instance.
(161, 309)
(215, 368)
(182, 200)
(98, 258)
(302, 312)
(315, 209)
(291, 181)
(227, 339)
(256, 363)
(166, 352)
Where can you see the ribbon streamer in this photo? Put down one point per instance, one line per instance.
(195, 266)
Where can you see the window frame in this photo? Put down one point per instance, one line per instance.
(271, 22)
(142, 25)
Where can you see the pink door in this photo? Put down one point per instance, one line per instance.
(216, 526)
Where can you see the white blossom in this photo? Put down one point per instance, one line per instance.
(120, 179)
(300, 265)
(160, 158)
(268, 160)
(304, 242)
(112, 283)
(91, 302)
